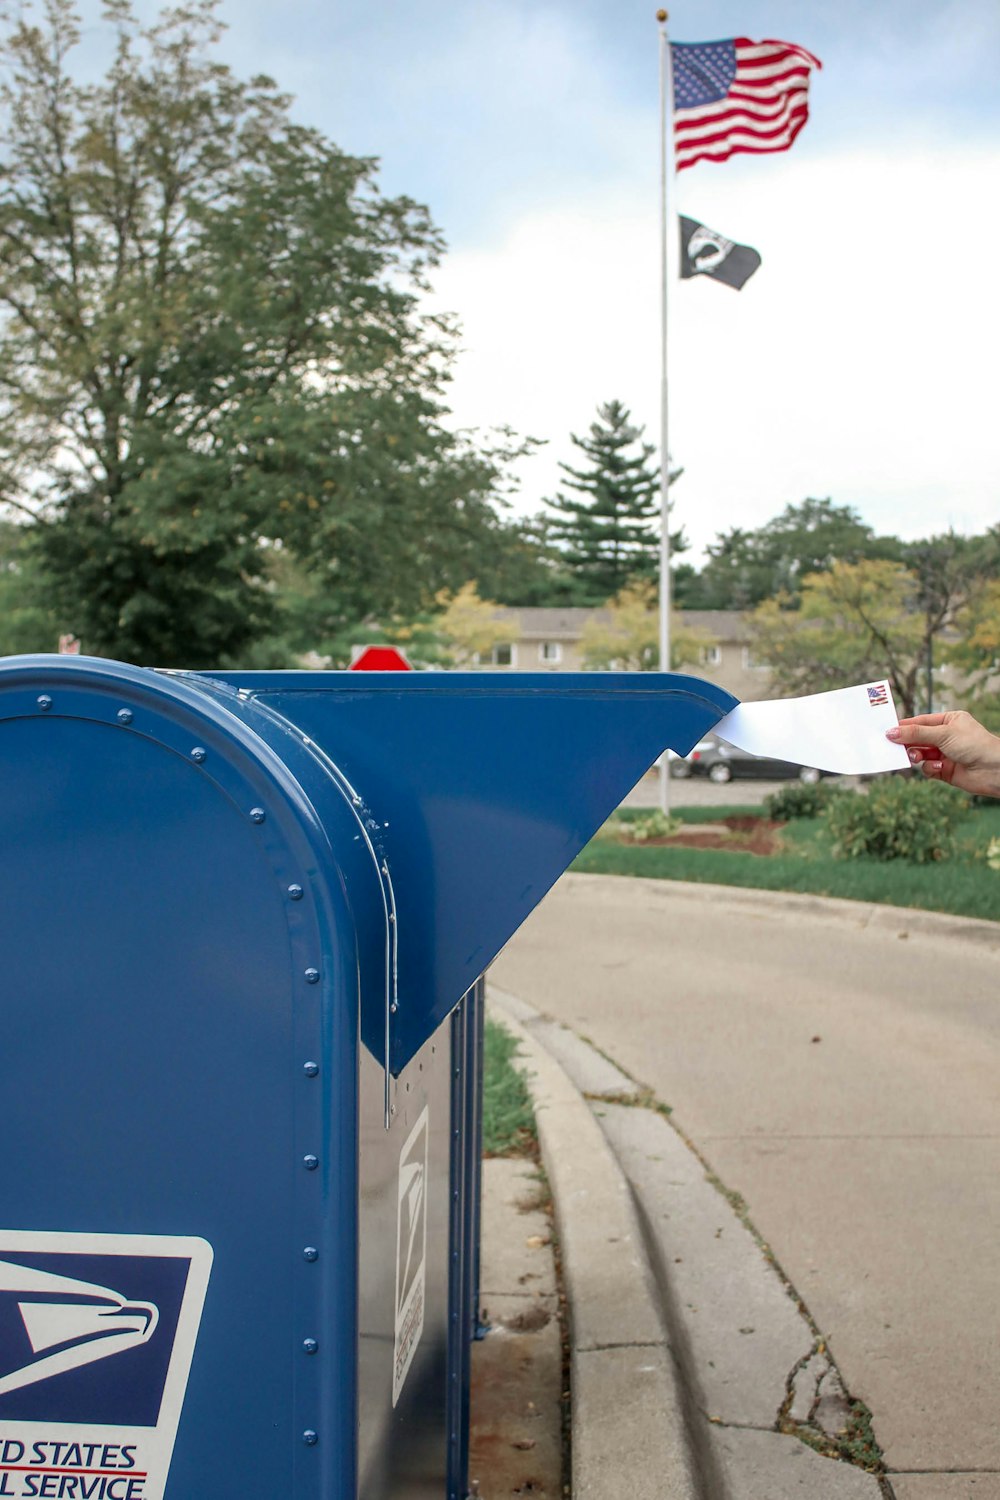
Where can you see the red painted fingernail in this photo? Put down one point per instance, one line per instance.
(892, 734)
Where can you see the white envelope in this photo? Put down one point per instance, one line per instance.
(842, 731)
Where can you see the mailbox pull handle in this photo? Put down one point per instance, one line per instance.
(391, 978)
(391, 925)
(381, 864)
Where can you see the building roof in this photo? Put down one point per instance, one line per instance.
(724, 624)
(550, 624)
(567, 624)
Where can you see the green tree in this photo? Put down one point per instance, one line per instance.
(879, 618)
(26, 622)
(467, 627)
(459, 629)
(629, 637)
(745, 567)
(953, 576)
(856, 621)
(210, 344)
(518, 563)
(975, 651)
(610, 536)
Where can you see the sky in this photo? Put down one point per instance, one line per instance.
(858, 363)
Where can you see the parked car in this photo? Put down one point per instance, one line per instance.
(721, 762)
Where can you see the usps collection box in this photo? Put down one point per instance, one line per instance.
(244, 919)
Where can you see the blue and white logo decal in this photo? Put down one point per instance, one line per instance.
(411, 1251)
(97, 1333)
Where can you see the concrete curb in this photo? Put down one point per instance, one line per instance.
(640, 1446)
(897, 920)
(695, 1373)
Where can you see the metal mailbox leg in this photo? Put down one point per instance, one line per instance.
(477, 1001)
(458, 1316)
(466, 1177)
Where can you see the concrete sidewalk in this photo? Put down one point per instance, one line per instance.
(695, 1374)
(516, 1436)
(836, 1064)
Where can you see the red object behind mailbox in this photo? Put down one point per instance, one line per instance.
(381, 659)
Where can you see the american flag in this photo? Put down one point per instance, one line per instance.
(878, 695)
(738, 95)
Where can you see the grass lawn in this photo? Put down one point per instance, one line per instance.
(508, 1119)
(963, 884)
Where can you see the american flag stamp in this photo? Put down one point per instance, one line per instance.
(878, 695)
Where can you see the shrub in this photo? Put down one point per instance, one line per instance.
(654, 825)
(796, 800)
(900, 817)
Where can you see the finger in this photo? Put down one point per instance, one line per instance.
(925, 719)
(914, 733)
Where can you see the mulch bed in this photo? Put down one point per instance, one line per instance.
(738, 835)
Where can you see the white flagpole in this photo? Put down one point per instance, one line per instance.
(666, 93)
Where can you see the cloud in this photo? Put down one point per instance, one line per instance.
(858, 363)
(473, 109)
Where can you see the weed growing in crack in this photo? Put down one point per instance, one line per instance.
(860, 1444)
(643, 1098)
(855, 1444)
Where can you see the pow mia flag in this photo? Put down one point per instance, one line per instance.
(705, 253)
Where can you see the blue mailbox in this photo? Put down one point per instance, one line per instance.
(243, 917)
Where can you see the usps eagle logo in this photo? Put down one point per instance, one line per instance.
(91, 1326)
(97, 1335)
(411, 1251)
(68, 1323)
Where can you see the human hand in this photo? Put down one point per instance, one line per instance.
(952, 747)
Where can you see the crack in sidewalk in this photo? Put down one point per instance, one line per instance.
(632, 1344)
(818, 1410)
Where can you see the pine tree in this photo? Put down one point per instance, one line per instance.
(610, 536)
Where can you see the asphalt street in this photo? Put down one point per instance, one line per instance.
(698, 791)
(842, 1077)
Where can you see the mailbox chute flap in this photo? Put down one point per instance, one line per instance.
(450, 802)
(484, 788)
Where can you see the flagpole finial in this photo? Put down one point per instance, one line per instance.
(661, 16)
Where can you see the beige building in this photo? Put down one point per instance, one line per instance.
(544, 640)
(730, 661)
